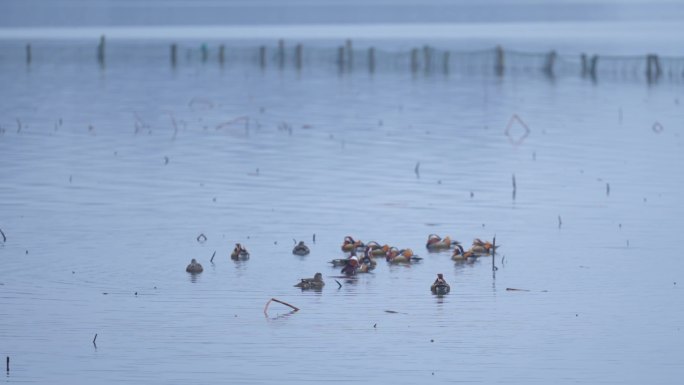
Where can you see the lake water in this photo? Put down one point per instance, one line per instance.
(109, 177)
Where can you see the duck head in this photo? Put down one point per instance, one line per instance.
(433, 238)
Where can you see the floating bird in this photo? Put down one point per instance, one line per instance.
(239, 253)
(482, 247)
(440, 286)
(350, 244)
(436, 243)
(194, 267)
(376, 249)
(312, 283)
(460, 255)
(301, 249)
(395, 255)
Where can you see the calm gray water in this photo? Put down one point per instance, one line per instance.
(108, 177)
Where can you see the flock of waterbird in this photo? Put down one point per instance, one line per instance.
(353, 264)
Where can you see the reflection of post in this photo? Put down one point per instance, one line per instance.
(652, 67)
(28, 54)
(350, 55)
(101, 51)
(262, 57)
(340, 58)
(298, 56)
(445, 62)
(371, 60)
(499, 63)
(593, 64)
(414, 60)
(281, 53)
(205, 52)
(550, 62)
(222, 53)
(427, 56)
(585, 68)
(174, 50)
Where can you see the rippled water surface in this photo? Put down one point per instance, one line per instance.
(109, 177)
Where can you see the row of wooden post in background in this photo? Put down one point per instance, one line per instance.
(345, 59)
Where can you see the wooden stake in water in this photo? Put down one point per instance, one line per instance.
(298, 57)
(371, 60)
(414, 60)
(174, 51)
(28, 54)
(340, 58)
(262, 57)
(222, 54)
(427, 58)
(514, 187)
(593, 64)
(652, 67)
(499, 66)
(101, 51)
(493, 253)
(7, 364)
(281, 53)
(445, 62)
(205, 52)
(550, 62)
(294, 308)
(350, 55)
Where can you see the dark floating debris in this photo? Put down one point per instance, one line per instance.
(339, 284)
(95, 338)
(560, 222)
(212, 257)
(513, 289)
(4, 238)
(417, 170)
(607, 189)
(201, 238)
